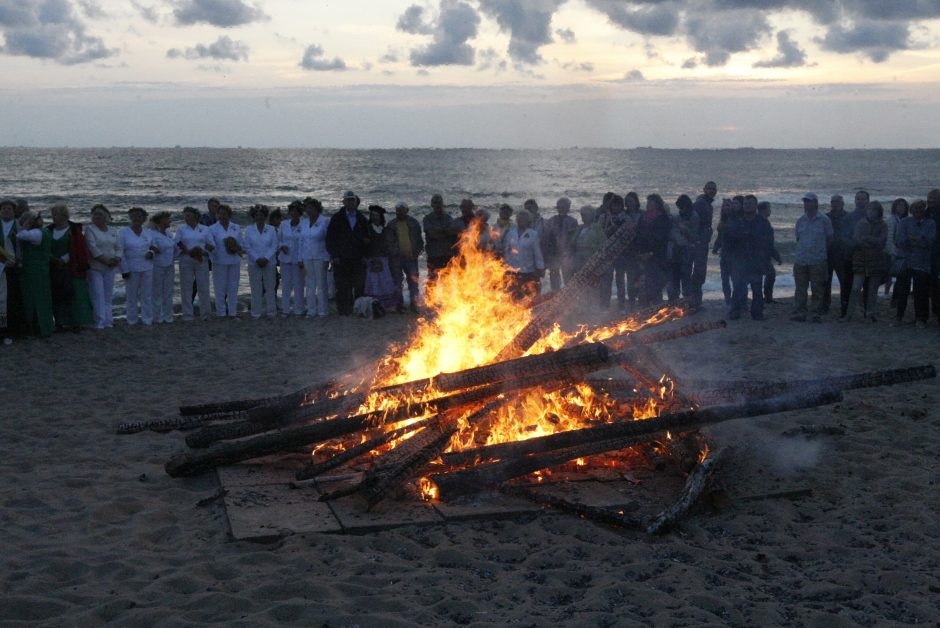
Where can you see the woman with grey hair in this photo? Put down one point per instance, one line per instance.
(261, 248)
(105, 252)
(137, 267)
(163, 271)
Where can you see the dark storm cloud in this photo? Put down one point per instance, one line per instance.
(529, 25)
(876, 40)
(718, 36)
(222, 13)
(49, 29)
(789, 54)
(224, 48)
(455, 23)
(313, 60)
(647, 18)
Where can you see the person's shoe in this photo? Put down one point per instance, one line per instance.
(798, 318)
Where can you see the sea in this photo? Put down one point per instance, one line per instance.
(172, 178)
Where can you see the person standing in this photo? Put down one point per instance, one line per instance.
(289, 246)
(899, 211)
(558, 246)
(137, 267)
(212, 214)
(439, 235)
(840, 260)
(702, 207)
(917, 237)
(226, 263)
(590, 237)
(748, 241)
(814, 235)
(347, 241)
(11, 300)
(682, 249)
(314, 258)
(260, 244)
(106, 252)
(770, 273)
(523, 257)
(538, 223)
(933, 213)
(467, 215)
(163, 269)
(378, 283)
(405, 244)
(71, 302)
(652, 236)
(615, 217)
(194, 242)
(725, 220)
(35, 247)
(868, 261)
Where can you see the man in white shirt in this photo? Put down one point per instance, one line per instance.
(522, 253)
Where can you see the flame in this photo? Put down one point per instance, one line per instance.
(429, 490)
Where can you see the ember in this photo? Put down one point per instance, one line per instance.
(489, 389)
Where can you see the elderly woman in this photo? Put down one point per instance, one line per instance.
(71, 302)
(523, 255)
(105, 252)
(226, 263)
(868, 260)
(194, 243)
(292, 274)
(137, 267)
(379, 283)
(162, 267)
(260, 242)
(315, 258)
(35, 251)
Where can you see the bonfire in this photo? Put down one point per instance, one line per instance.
(488, 390)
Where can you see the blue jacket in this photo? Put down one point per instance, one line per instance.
(749, 243)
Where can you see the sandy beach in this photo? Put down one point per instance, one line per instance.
(96, 532)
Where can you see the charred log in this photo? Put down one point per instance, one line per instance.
(698, 482)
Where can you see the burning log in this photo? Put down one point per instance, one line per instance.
(549, 365)
(699, 480)
(162, 425)
(664, 335)
(517, 458)
(225, 408)
(573, 291)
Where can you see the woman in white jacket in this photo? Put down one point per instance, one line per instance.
(260, 242)
(226, 263)
(194, 242)
(163, 270)
(315, 258)
(137, 267)
(104, 253)
(292, 275)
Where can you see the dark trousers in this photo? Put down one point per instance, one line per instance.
(350, 278)
(681, 276)
(724, 265)
(922, 288)
(770, 278)
(655, 278)
(902, 290)
(699, 271)
(843, 271)
(934, 282)
(435, 264)
(406, 270)
(16, 320)
(742, 279)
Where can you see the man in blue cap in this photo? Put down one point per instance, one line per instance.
(810, 259)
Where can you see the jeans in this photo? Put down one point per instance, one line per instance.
(770, 278)
(843, 271)
(869, 285)
(725, 265)
(742, 279)
(406, 270)
(808, 276)
(699, 271)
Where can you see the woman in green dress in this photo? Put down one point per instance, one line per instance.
(35, 250)
(71, 303)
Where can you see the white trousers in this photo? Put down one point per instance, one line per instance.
(316, 285)
(261, 281)
(225, 280)
(139, 287)
(192, 272)
(163, 293)
(292, 288)
(101, 290)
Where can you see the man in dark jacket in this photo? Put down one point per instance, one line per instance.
(702, 207)
(440, 234)
(749, 241)
(840, 257)
(347, 241)
(405, 244)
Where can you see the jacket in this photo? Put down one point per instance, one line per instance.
(344, 242)
(414, 233)
(868, 258)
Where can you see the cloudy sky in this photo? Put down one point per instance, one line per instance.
(477, 73)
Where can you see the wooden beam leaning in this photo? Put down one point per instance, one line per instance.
(515, 459)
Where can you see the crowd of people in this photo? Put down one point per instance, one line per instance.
(62, 275)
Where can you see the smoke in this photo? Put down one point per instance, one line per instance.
(765, 448)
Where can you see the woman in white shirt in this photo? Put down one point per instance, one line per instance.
(105, 251)
(194, 243)
(523, 256)
(260, 242)
(226, 263)
(315, 258)
(292, 276)
(137, 267)
(162, 267)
